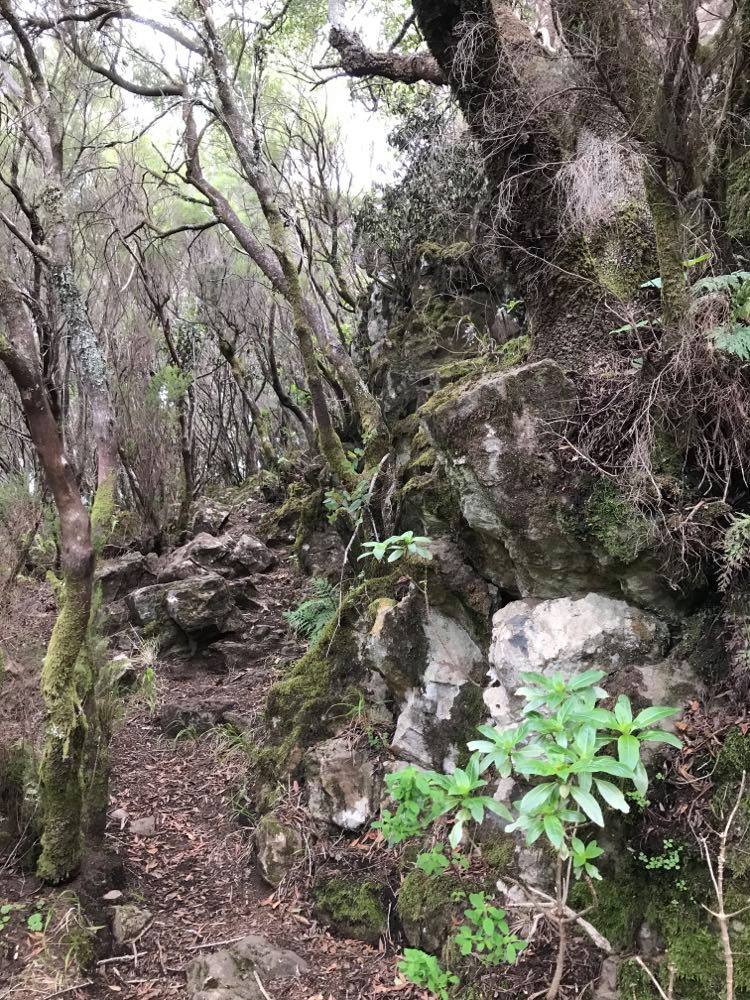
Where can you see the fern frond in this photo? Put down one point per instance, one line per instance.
(721, 282)
(310, 617)
(733, 339)
(736, 549)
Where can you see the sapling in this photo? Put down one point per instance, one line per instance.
(576, 747)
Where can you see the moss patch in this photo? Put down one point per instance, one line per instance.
(615, 523)
(352, 908)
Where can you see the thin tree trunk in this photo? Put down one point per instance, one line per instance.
(62, 755)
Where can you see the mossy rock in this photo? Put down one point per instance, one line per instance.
(19, 799)
(355, 909)
(427, 906)
(618, 526)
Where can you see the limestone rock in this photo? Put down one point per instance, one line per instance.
(118, 577)
(493, 437)
(278, 847)
(229, 974)
(197, 719)
(572, 634)
(128, 921)
(343, 786)
(144, 827)
(209, 516)
(225, 556)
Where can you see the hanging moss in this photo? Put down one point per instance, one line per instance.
(352, 908)
(621, 253)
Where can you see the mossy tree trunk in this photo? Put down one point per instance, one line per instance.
(69, 675)
(65, 733)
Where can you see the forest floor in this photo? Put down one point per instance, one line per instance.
(195, 873)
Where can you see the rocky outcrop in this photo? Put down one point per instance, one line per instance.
(343, 785)
(225, 556)
(570, 635)
(528, 527)
(241, 971)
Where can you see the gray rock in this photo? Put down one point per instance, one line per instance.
(229, 974)
(200, 605)
(322, 555)
(493, 438)
(225, 556)
(343, 787)
(569, 635)
(144, 827)
(278, 847)
(128, 921)
(196, 719)
(209, 516)
(118, 577)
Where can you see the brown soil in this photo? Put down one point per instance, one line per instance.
(195, 874)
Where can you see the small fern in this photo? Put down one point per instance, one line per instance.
(733, 339)
(736, 549)
(721, 282)
(310, 617)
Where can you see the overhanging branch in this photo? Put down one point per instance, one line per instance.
(359, 61)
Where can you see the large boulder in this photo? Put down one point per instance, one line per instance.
(208, 516)
(530, 530)
(572, 634)
(200, 607)
(343, 785)
(118, 577)
(233, 973)
(226, 556)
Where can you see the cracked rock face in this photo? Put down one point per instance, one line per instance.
(343, 785)
(226, 556)
(233, 973)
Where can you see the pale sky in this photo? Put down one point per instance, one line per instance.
(363, 133)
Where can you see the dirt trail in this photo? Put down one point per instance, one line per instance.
(195, 872)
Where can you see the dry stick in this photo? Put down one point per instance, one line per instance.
(70, 989)
(215, 944)
(664, 996)
(261, 987)
(717, 879)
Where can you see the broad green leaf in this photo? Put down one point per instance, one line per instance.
(659, 736)
(623, 711)
(588, 803)
(555, 832)
(629, 751)
(612, 795)
(537, 797)
(646, 718)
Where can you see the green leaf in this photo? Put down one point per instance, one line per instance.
(649, 716)
(659, 736)
(629, 751)
(588, 803)
(555, 832)
(612, 795)
(623, 711)
(537, 797)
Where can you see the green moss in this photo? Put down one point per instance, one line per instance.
(426, 905)
(299, 707)
(499, 852)
(424, 461)
(448, 253)
(617, 525)
(621, 252)
(515, 352)
(352, 908)
(467, 712)
(619, 905)
(738, 197)
(454, 370)
(633, 983)
(734, 756)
